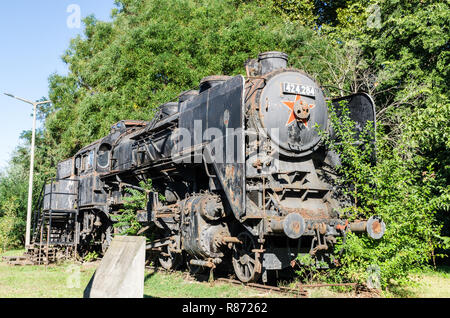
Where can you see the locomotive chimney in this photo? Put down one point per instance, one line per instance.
(267, 62)
(271, 61)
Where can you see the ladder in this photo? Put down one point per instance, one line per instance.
(55, 226)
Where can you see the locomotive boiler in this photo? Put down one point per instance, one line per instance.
(240, 176)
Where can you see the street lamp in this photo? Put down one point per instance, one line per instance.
(30, 185)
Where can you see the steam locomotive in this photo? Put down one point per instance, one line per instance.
(239, 176)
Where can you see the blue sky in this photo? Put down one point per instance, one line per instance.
(33, 37)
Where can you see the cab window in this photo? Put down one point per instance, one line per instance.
(103, 156)
(90, 160)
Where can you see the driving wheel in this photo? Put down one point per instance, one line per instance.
(245, 262)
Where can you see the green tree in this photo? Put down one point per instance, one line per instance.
(404, 57)
(13, 200)
(153, 50)
(389, 189)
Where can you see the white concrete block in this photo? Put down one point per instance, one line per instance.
(121, 271)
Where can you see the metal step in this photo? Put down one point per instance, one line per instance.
(71, 211)
(18, 260)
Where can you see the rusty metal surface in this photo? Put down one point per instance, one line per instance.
(61, 195)
(65, 169)
(313, 214)
(221, 108)
(294, 226)
(358, 226)
(228, 239)
(297, 293)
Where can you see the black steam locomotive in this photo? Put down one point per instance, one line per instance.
(241, 167)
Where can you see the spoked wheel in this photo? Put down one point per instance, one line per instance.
(245, 263)
(169, 260)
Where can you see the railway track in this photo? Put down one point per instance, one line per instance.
(298, 292)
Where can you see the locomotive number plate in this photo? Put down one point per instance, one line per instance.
(290, 88)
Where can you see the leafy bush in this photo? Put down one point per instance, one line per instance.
(126, 221)
(10, 230)
(134, 200)
(91, 256)
(391, 189)
(405, 56)
(13, 200)
(309, 268)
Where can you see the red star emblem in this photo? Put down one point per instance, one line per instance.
(291, 106)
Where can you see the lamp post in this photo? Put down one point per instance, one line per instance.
(30, 185)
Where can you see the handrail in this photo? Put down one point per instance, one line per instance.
(41, 201)
(37, 211)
